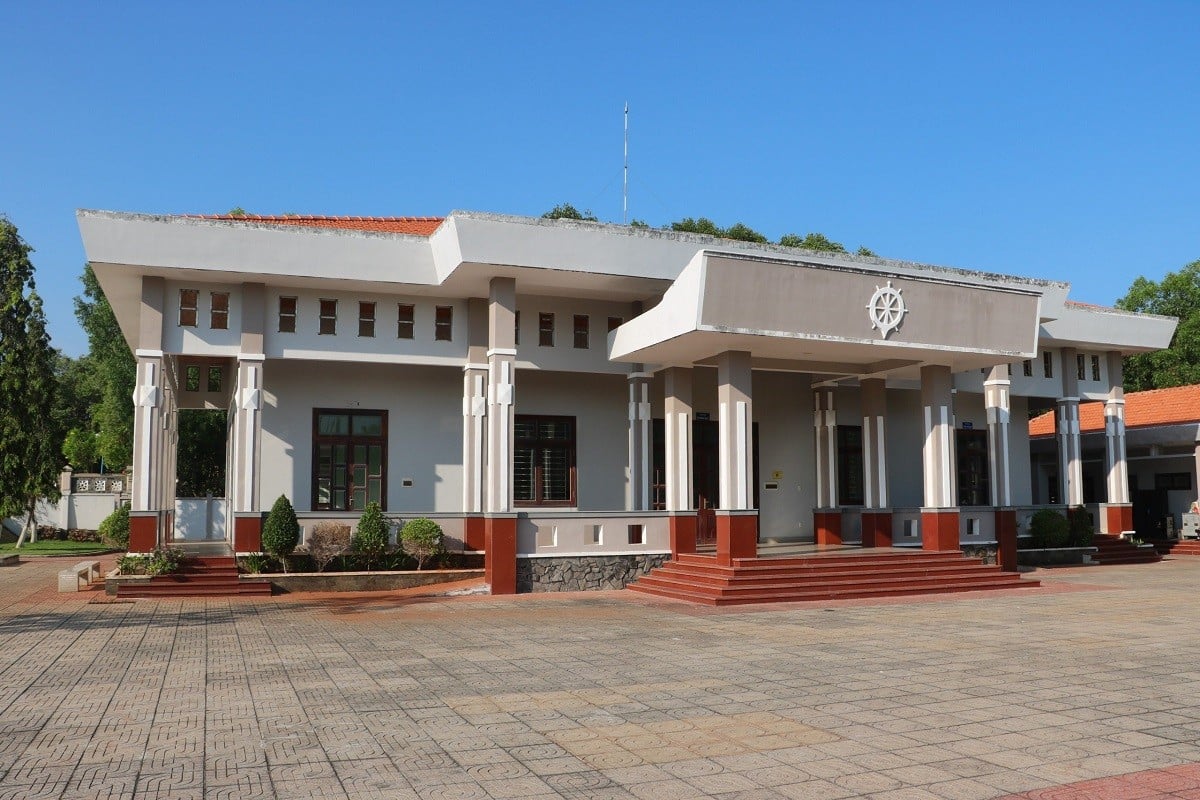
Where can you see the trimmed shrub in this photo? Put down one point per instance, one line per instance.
(1081, 526)
(82, 535)
(327, 541)
(254, 564)
(421, 538)
(115, 528)
(371, 535)
(281, 531)
(1049, 529)
(164, 561)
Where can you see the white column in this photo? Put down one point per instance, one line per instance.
(734, 398)
(638, 498)
(677, 424)
(1066, 428)
(147, 431)
(248, 401)
(997, 398)
(501, 358)
(937, 453)
(475, 391)
(1116, 467)
(825, 425)
(874, 442)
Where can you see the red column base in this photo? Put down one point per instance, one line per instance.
(474, 533)
(247, 533)
(737, 536)
(683, 532)
(143, 531)
(939, 529)
(876, 529)
(828, 525)
(1006, 538)
(500, 554)
(1116, 518)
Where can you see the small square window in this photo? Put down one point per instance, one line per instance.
(581, 331)
(214, 379)
(637, 534)
(1047, 364)
(366, 319)
(287, 315)
(328, 325)
(192, 378)
(404, 321)
(545, 330)
(187, 307)
(218, 318)
(614, 323)
(1080, 368)
(1095, 368)
(443, 323)
(1027, 368)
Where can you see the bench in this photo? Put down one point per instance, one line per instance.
(86, 571)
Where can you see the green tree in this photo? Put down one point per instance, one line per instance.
(812, 241)
(116, 371)
(568, 211)
(281, 531)
(744, 233)
(421, 539)
(30, 442)
(371, 536)
(702, 225)
(201, 461)
(1176, 295)
(866, 251)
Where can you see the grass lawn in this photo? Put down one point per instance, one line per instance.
(53, 547)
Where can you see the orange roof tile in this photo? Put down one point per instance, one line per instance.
(1174, 406)
(419, 226)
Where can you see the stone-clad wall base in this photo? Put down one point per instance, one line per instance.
(583, 574)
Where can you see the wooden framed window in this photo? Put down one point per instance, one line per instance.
(218, 311)
(544, 461)
(214, 379)
(1080, 367)
(191, 378)
(404, 321)
(545, 329)
(1095, 368)
(1173, 481)
(850, 465)
(1027, 368)
(581, 331)
(287, 315)
(443, 323)
(349, 459)
(366, 319)
(188, 299)
(328, 320)
(971, 458)
(614, 323)
(1047, 364)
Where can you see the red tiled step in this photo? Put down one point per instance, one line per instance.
(204, 576)
(700, 579)
(1115, 550)
(1177, 547)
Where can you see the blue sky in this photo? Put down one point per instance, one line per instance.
(1056, 140)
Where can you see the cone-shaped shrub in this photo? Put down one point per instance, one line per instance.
(371, 535)
(281, 531)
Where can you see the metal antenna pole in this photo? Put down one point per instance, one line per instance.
(625, 188)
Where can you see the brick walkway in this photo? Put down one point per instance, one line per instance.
(1089, 688)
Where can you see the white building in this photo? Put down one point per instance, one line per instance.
(550, 388)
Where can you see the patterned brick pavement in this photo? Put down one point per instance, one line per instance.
(1087, 689)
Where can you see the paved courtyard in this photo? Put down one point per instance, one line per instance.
(1086, 688)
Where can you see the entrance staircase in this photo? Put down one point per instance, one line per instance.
(1115, 550)
(201, 576)
(848, 575)
(1177, 547)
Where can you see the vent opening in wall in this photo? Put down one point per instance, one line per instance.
(637, 534)
(912, 528)
(593, 534)
(973, 528)
(547, 536)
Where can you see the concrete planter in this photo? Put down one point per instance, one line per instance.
(113, 580)
(363, 581)
(1056, 556)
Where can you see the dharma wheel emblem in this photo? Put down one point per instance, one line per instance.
(887, 309)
